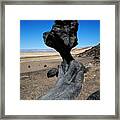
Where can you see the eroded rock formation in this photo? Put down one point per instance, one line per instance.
(69, 84)
(63, 37)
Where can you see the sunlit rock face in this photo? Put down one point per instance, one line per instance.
(62, 37)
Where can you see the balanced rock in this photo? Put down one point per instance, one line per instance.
(62, 37)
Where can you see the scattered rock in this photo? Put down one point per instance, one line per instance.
(28, 66)
(94, 75)
(53, 72)
(96, 57)
(23, 77)
(90, 64)
(94, 96)
(86, 69)
(45, 65)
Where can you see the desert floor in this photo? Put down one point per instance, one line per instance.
(33, 74)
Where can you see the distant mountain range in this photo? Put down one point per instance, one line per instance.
(50, 50)
(78, 52)
(37, 50)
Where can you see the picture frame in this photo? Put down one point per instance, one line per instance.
(70, 2)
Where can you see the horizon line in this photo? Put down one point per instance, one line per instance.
(54, 49)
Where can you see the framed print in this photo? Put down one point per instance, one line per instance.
(60, 60)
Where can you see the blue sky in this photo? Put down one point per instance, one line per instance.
(31, 33)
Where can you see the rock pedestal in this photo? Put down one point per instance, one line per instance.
(63, 37)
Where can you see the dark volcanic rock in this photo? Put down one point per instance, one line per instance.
(53, 72)
(62, 37)
(94, 96)
(45, 65)
(93, 52)
(28, 66)
(69, 84)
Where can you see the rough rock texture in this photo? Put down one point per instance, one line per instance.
(69, 83)
(93, 52)
(62, 37)
(94, 96)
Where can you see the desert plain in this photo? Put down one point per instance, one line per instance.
(35, 65)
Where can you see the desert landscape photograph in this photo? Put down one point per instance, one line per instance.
(60, 60)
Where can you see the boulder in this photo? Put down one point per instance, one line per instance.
(52, 72)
